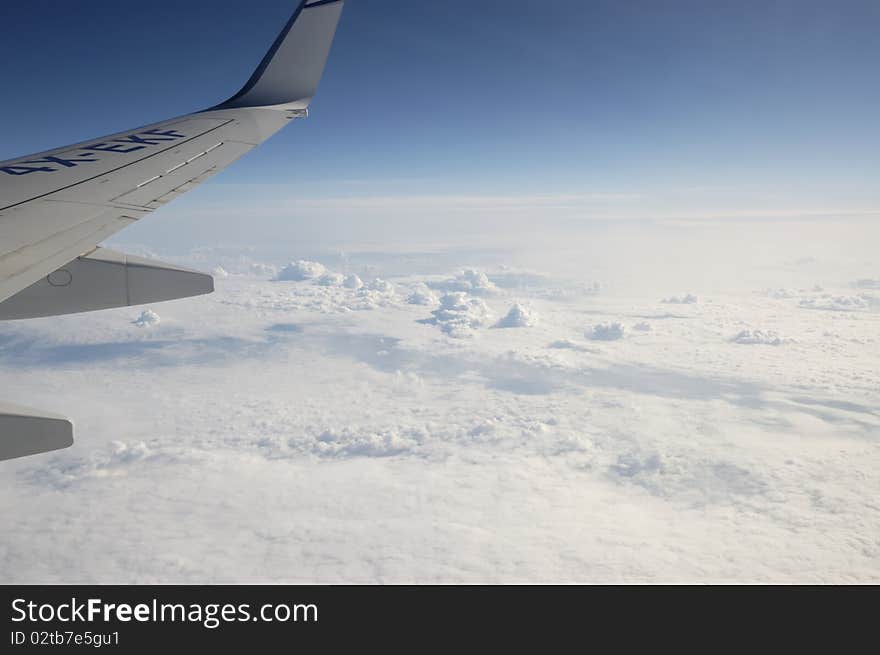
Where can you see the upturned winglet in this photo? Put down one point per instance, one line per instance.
(289, 74)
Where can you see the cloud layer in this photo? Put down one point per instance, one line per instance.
(364, 419)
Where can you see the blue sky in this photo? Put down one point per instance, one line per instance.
(690, 107)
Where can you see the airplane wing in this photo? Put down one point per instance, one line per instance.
(57, 206)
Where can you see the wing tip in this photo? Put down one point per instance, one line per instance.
(289, 73)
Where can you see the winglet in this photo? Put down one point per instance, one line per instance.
(289, 74)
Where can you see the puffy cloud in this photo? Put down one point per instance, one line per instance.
(642, 327)
(300, 270)
(605, 332)
(219, 272)
(331, 279)
(148, 318)
(867, 283)
(379, 443)
(352, 282)
(422, 295)
(519, 316)
(381, 286)
(470, 281)
(459, 314)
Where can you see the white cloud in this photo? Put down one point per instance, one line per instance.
(382, 443)
(147, 318)
(381, 286)
(459, 314)
(352, 282)
(301, 270)
(422, 295)
(519, 316)
(348, 441)
(605, 332)
(759, 337)
(471, 281)
(331, 279)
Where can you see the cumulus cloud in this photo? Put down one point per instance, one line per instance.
(459, 314)
(219, 272)
(148, 318)
(376, 294)
(300, 270)
(331, 279)
(642, 327)
(379, 443)
(605, 332)
(687, 299)
(519, 316)
(352, 282)
(422, 295)
(381, 286)
(759, 337)
(470, 281)
(867, 283)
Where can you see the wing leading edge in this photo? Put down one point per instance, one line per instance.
(56, 207)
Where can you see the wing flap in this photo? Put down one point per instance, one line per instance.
(188, 168)
(108, 162)
(21, 268)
